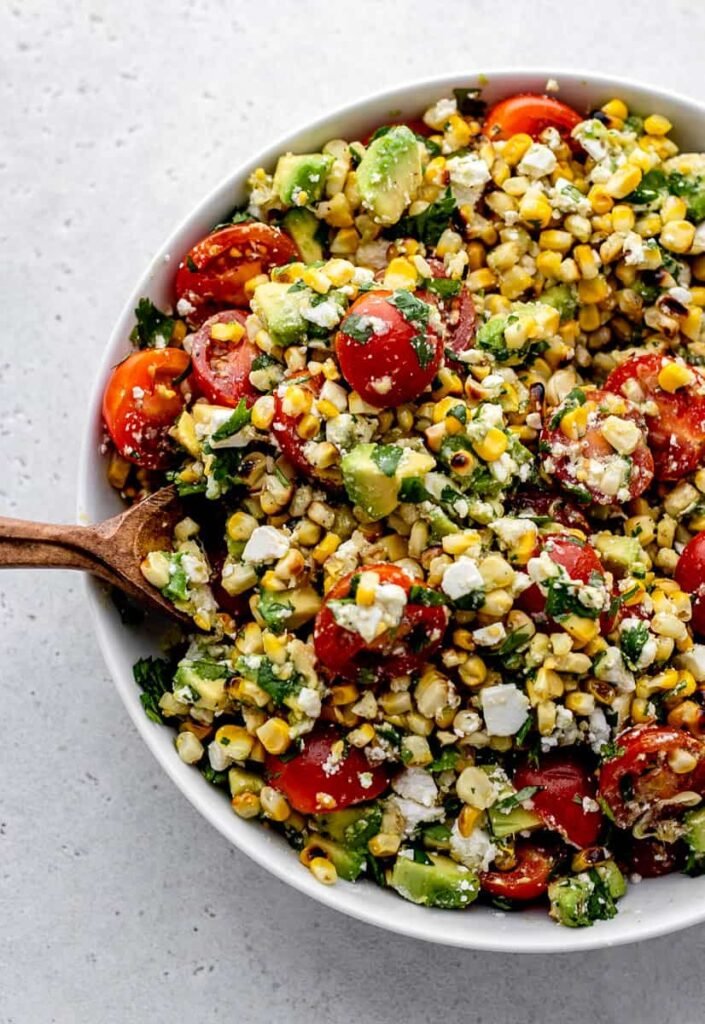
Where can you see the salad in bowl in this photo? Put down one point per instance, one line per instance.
(434, 400)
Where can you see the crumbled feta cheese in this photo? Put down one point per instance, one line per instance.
(512, 531)
(504, 708)
(266, 544)
(565, 732)
(610, 667)
(542, 568)
(335, 394)
(693, 661)
(415, 814)
(462, 578)
(382, 385)
(476, 851)
(346, 430)
(416, 784)
(185, 308)
(437, 115)
(538, 161)
(599, 731)
(633, 250)
(370, 621)
(309, 701)
(488, 636)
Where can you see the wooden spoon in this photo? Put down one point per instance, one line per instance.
(111, 550)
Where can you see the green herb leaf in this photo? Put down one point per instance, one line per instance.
(154, 677)
(153, 328)
(239, 419)
(444, 287)
(424, 348)
(359, 328)
(429, 225)
(274, 610)
(446, 760)
(277, 688)
(508, 803)
(469, 102)
(632, 642)
(514, 642)
(426, 596)
(387, 457)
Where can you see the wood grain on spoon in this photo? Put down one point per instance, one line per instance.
(111, 550)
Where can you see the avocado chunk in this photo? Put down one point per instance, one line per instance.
(302, 225)
(621, 555)
(506, 815)
(532, 323)
(373, 475)
(440, 883)
(390, 174)
(353, 827)
(349, 862)
(694, 836)
(202, 683)
(300, 180)
(436, 837)
(562, 297)
(579, 900)
(279, 308)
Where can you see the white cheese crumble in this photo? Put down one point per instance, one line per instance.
(369, 621)
(266, 544)
(476, 851)
(504, 708)
(416, 784)
(488, 636)
(610, 668)
(462, 578)
(538, 161)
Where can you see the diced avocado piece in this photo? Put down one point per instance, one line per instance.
(206, 680)
(302, 225)
(436, 837)
(562, 297)
(279, 308)
(621, 555)
(241, 781)
(441, 525)
(390, 174)
(443, 883)
(295, 175)
(534, 323)
(579, 900)
(348, 861)
(506, 816)
(366, 483)
(353, 827)
(694, 836)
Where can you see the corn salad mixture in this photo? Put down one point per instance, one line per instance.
(435, 405)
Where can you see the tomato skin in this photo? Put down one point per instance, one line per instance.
(529, 113)
(676, 432)
(458, 313)
(303, 778)
(139, 426)
(388, 356)
(528, 880)
(579, 560)
(213, 274)
(642, 762)
(545, 503)
(565, 781)
(343, 652)
(221, 369)
(566, 459)
(690, 576)
(651, 858)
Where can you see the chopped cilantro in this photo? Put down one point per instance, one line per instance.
(508, 803)
(153, 676)
(632, 641)
(469, 102)
(274, 610)
(425, 350)
(153, 328)
(239, 419)
(610, 749)
(359, 328)
(514, 642)
(177, 587)
(443, 287)
(387, 457)
(446, 760)
(277, 688)
(429, 225)
(425, 596)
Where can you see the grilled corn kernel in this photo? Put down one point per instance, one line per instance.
(274, 736)
(492, 446)
(600, 200)
(325, 548)
(574, 423)
(623, 181)
(274, 805)
(189, 747)
(675, 375)
(385, 844)
(233, 332)
(657, 124)
(677, 236)
(546, 717)
(616, 108)
(323, 870)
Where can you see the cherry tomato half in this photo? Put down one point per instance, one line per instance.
(458, 314)
(387, 349)
(529, 113)
(640, 776)
(564, 782)
(651, 858)
(676, 426)
(140, 403)
(690, 576)
(528, 880)
(545, 503)
(400, 649)
(580, 456)
(213, 275)
(319, 772)
(221, 369)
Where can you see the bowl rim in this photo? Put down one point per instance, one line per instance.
(352, 901)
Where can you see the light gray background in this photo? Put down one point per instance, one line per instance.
(117, 903)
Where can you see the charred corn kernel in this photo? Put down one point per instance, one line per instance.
(308, 427)
(548, 263)
(623, 181)
(616, 108)
(497, 603)
(316, 279)
(515, 147)
(246, 805)
(600, 199)
(581, 629)
(449, 243)
(574, 422)
(468, 819)
(588, 265)
(535, 209)
(692, 323)
(343, 694)
(323, 870)
(400, 273)
(396, 703)
(330, 544)
(657, 124)
(274, 648)
(274, 736)
(270, 581)
(555, 240)
(339, 272)
(296, 401)
(367, 589)
(481, 280)
(253, 283)
(675, 375)
(589, 318)
(189, 747)
(435, 173)
(415, 751)
(641, 710)
(669, 626)
(677, 236)
(361, 736)
(456, 133)
(228, 332)
(475, 788)
(327, 410)
(546, 717)
(119, 467)
(492, 446)
(622, 218)
(514, 282)
(580, 703)
(462, 638)
(274, 805)
(457, 543)
(345, 242)
(385, 844)
(688, 715)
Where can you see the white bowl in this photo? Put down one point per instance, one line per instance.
(651, 908)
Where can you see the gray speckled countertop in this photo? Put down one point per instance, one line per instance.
(117, 902)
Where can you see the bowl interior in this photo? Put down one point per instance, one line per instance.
(650, 908)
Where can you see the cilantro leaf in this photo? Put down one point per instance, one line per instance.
(425, 350)
(359, 328)
(239, 419)
(469, 102)
(277, 688)
(446, 760)
(429, 225)
(153, 676)
(153, 328)
(443, 287)
(632, 642)
(426, 596)
(414, 310)
(274, 610)
(387, 457)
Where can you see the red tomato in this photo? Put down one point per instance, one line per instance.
(317, 772)
(212, 276)
(564, 781)
(554, 506)
(221, 369)
(690, 576)
(529, 113)
(572, 461)
(383, 355)
(581, 563)
(458, 314)
(401, 649)
(651, 858)
(634, 781)
(676, 427)
(140, 403)
(528, 880)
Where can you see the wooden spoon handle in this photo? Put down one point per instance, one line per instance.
(47, 546)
